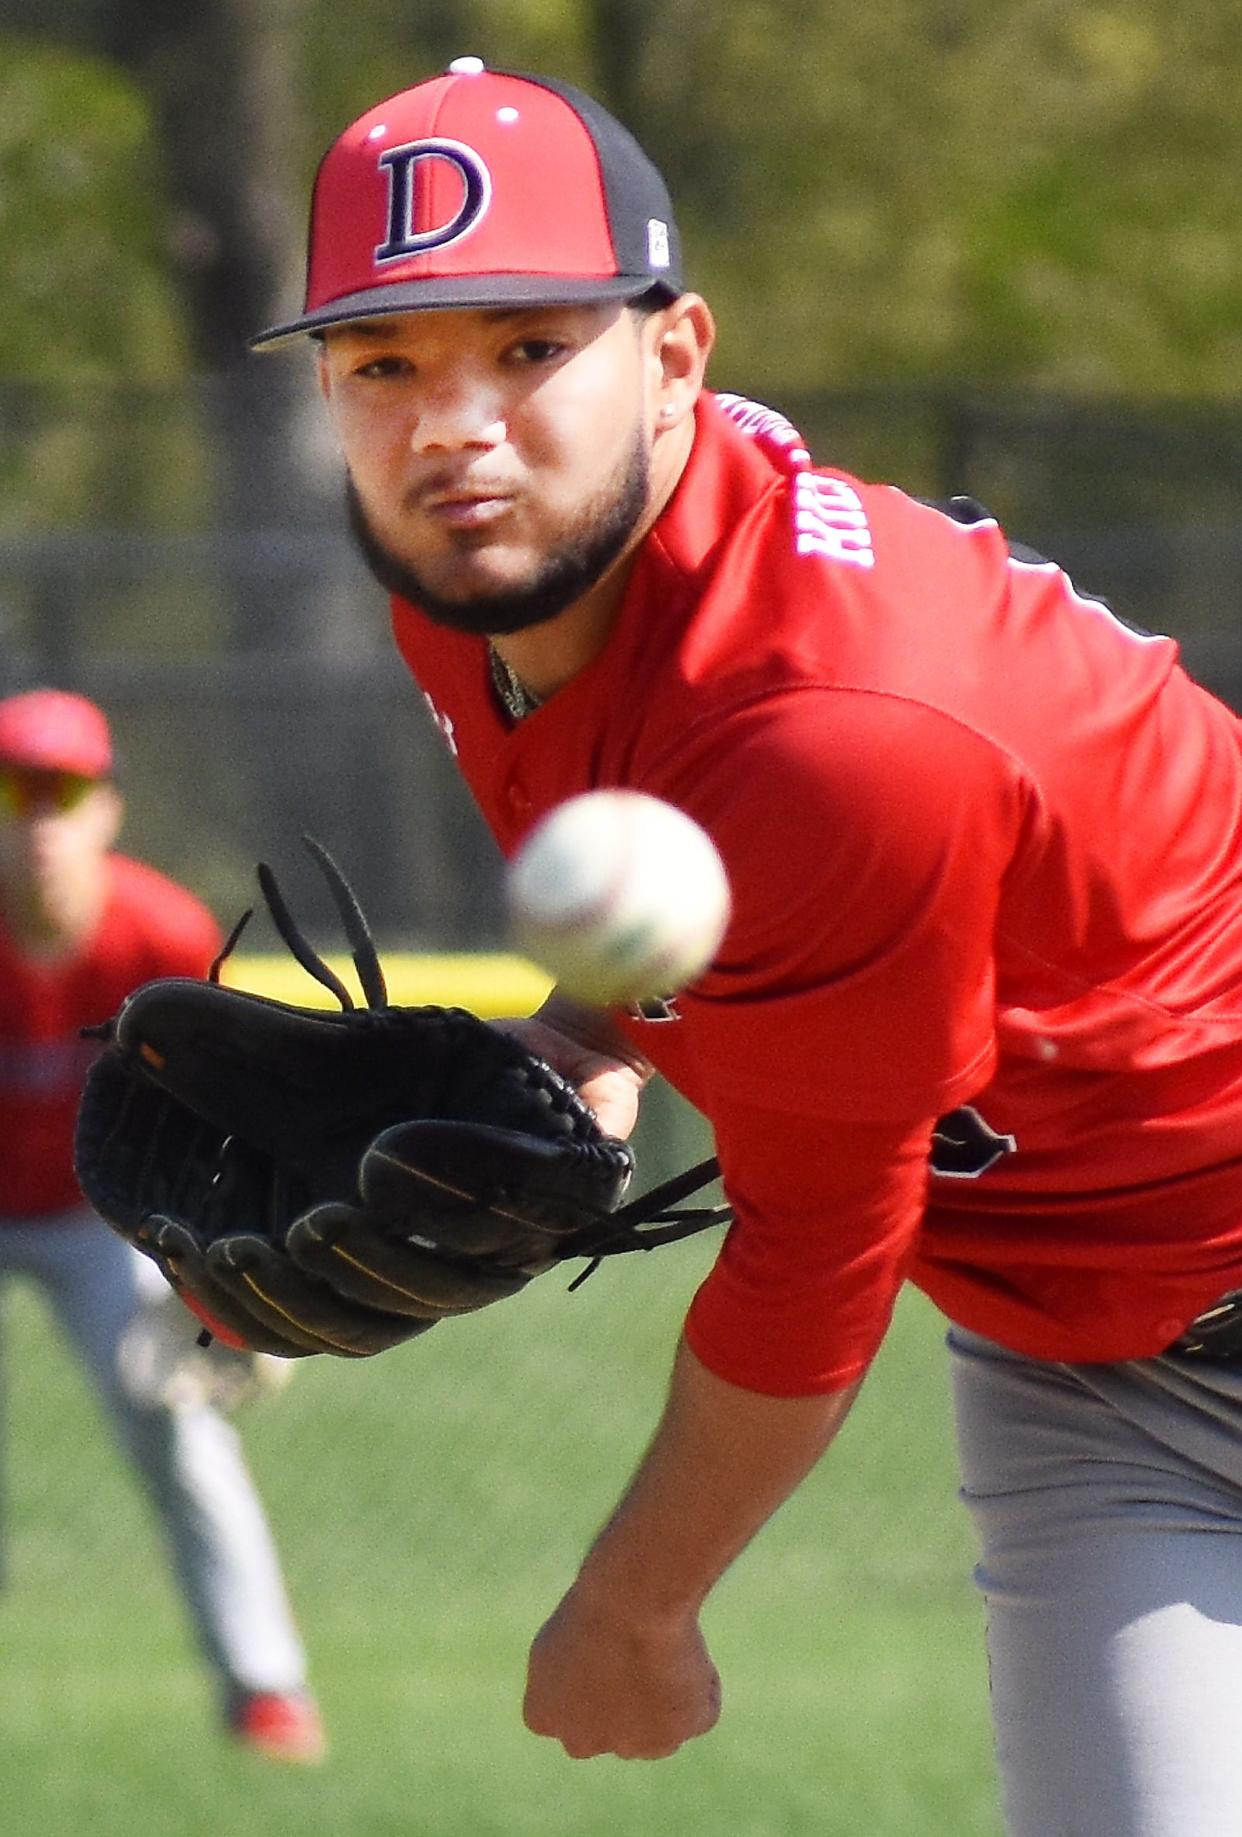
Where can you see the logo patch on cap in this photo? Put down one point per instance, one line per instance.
(403, 166)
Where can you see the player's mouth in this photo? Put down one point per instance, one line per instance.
(466, 509)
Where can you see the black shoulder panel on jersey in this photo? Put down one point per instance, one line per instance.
(962, 509)
(969, 511)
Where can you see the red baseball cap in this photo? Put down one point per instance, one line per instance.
(483, 188)
(51, 730)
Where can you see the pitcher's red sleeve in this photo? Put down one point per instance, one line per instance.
(826, 1214)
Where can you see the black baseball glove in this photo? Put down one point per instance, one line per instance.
(312, 1181)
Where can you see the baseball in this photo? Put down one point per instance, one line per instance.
(620, 896)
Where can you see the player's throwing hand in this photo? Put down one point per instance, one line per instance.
(600, 1682)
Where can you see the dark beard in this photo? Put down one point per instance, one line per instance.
(566, 574)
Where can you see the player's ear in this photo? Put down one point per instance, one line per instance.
(683, 335)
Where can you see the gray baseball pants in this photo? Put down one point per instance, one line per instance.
(1108, 1505)
(189, 1457)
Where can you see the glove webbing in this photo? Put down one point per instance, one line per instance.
(362, 945)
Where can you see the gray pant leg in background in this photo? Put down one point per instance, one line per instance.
(1108, 1504)
(189, 1457)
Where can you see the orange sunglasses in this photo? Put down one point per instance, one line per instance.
(25, 792)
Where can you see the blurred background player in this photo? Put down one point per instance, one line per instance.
(80, 927)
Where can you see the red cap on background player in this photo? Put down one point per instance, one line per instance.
(52, 730)
(483, 188)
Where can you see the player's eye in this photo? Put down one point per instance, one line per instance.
(538, 350)
(373, 369)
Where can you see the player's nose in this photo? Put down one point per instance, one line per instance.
(458, 412)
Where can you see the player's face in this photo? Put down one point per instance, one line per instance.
(54, 832)
(499, 460)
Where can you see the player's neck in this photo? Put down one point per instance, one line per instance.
(545, 657)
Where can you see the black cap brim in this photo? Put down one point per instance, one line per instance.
(467, 290)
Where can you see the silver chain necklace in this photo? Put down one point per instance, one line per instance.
(517, 700)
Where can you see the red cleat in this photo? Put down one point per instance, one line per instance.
(283, 1725)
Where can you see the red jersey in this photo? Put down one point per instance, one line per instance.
(149, 927)
(977, 1020)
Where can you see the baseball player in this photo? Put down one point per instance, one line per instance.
(80, 926)
(977, 1020)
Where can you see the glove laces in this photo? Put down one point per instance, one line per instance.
(361, 943)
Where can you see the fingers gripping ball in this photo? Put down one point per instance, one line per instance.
(620, 896)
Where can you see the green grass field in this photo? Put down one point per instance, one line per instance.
(430, 1505)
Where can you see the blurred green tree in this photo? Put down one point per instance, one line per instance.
(85, 294)
(85, 284)
(997, 191)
